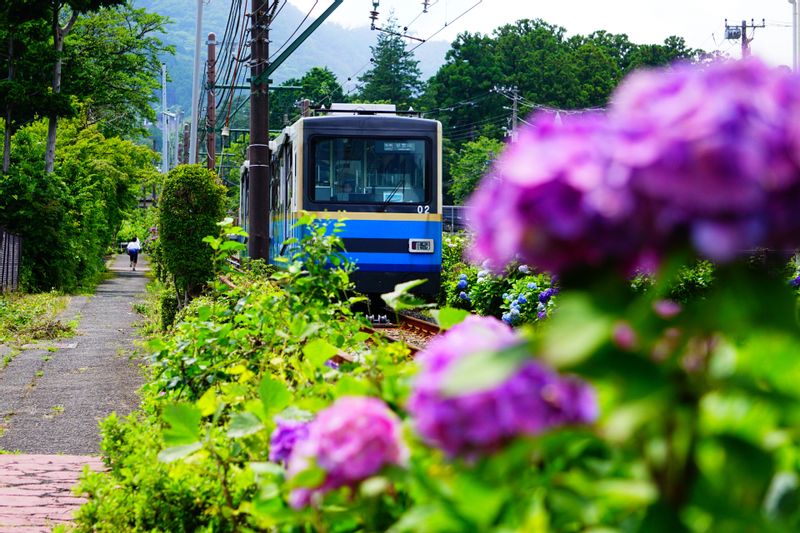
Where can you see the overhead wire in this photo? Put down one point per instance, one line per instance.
(446, 24)
(281, 47)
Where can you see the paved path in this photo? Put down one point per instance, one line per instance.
(53, 395)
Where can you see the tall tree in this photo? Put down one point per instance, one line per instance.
(395, 75)
(113, 64)
(63, 14)
(319, 85)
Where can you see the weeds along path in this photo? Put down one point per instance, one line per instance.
(53, 394)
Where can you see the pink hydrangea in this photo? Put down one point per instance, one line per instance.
(350, 441)
(534, 399)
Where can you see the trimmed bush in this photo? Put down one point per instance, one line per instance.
(192, 203)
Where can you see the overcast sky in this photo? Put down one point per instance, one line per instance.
(700, 22)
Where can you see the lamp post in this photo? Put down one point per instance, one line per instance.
(794, 35)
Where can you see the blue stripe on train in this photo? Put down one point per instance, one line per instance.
(395, 229)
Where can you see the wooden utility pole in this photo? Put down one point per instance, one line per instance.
(740, 32)
(211, 109)
(258, 172)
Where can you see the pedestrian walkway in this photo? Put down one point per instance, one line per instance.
(53, 394)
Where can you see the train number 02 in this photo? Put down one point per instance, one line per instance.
(423, 209)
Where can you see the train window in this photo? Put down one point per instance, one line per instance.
(370, 170)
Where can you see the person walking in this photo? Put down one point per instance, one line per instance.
(133, 251)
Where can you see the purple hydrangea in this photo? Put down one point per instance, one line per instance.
(704, 157)
(284, 437)
(795, 282)
(564, 202)
(350, 441)
(546, 294)
(534, 399)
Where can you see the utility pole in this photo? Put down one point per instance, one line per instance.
(734, 32)
(211, 111)
(178, 121)
(198, 30)
(794, 34)
(258, 202)
(164, 122)
(186, 137)
(514, 111)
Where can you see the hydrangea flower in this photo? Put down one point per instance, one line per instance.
(462, 284)
(524, 269)
(462, 276)
(284, 437)
(795, 282)
(533, 286)
(704, 157)
(546, 294)
(350, 441)
(463, 295)
(532, 400)
(521, 299)
(541, 315)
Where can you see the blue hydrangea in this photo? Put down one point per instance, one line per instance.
(506, 318)
(462, 284)
(514, 312)
(540, 307)
(483, 273)
(521, 299)
(525, 269)
(795, 282)
(463, 295)
(514, 305)
(462, 276)
(505, 296)
(533, 286)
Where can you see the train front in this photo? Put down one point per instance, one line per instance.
(382, 173)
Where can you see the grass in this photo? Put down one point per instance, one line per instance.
(30, 317)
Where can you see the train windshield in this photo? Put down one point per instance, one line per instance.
(358, 170)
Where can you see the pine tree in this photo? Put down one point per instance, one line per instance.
(395, 75)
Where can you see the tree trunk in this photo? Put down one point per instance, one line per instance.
(7, 138)
(59, 34)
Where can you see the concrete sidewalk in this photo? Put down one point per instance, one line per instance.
(53, 395)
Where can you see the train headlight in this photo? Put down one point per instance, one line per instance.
(420, 246)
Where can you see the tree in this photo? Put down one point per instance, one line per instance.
(469, 166)
(395, 75)
(63, 14)
(319, 85)
(113, 60)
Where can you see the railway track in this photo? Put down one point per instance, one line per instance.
(412, 331)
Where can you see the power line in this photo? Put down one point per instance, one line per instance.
(446, 24)
(295, 30)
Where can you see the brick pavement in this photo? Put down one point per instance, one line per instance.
(36, 490)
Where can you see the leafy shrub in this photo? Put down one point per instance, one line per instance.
(192, 203)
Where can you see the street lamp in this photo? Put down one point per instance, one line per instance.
(794, 35)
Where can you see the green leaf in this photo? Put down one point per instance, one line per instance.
(207, 402)
(350, 386)
(576, 330)
(274, 394)
(401, 298)
(484, 370)
(184, 422)
(243, 424)
(174, 453)
(318, 351)
(309, 478)
(447, 317)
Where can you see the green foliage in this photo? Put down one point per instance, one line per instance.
(319, 85)
(192, 203)
(69, 218)
(469, 166)
(548, 68)
(113, 64)
(394, 76)
(690, 282)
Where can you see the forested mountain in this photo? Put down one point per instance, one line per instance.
(344, 51)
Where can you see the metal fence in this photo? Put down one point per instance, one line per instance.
(10, 248)
(454, 218)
